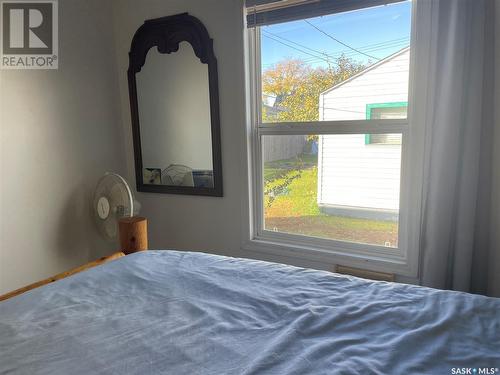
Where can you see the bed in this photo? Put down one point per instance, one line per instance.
(169, 312)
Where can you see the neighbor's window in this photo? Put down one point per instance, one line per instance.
(384, 111)
(330, 122)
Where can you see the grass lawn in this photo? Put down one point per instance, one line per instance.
(291, 206)
(277, 169)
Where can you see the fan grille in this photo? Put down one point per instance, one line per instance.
(115, 189)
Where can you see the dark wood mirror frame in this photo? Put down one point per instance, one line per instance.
(166, 34)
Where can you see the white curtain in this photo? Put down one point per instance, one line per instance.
(456, 246)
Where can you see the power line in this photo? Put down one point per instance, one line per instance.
(334, 54)
(351, 54)
(314, 60)
(295, 48)
(297, 44)
(364, 48)
(374, 47)
(338, 41)
(399, 45)
(400, 42)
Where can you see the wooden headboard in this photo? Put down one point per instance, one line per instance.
(62, 275)
(133, 233)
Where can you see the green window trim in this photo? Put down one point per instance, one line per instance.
(371, 106)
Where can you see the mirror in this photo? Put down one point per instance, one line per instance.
(175, 110)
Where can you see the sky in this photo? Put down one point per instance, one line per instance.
(374, 32)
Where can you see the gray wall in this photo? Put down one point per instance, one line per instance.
(59, 131)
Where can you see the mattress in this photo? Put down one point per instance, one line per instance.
(168, 312)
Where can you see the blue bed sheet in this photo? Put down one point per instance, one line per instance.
(169, 312)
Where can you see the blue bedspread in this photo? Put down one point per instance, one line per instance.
(168, 312)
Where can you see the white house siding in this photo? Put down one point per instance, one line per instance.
(355, 178)
(358, 175)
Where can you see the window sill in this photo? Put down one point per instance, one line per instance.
(283, 249)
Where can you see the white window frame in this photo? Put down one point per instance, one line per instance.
(403, 260)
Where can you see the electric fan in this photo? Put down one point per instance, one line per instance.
(113, 199)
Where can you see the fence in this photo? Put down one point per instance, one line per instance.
(282, 147)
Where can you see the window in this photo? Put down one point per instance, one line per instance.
(385, 111)
(330, 133)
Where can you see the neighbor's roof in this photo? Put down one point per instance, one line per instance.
(373, 66)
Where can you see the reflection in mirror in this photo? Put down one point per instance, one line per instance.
(175, 124)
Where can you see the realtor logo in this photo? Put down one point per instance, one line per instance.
(29, 34)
